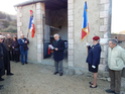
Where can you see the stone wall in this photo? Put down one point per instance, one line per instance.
(35, 54)
(98, 15)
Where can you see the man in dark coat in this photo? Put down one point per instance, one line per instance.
(6, 59)
(23, 43)
(8, 43)
(58, 47)
(2, 72)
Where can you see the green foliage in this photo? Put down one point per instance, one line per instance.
(7, 23)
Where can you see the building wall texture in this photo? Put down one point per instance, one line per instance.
(98, 14)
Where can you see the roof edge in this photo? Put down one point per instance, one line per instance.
(28, 3)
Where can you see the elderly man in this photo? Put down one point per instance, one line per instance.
(58, 47)
(8, 43)
(23, 43)
(116, 62)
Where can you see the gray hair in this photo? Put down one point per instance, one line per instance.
(114, 41)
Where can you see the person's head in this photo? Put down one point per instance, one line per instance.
(96, 40)
(8, 36)
(1, 38)
(22, 35)
(113, 43)
(56, 36)
(14, 38)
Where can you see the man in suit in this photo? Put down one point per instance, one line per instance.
(23, 43)
(58, 48)
(8, 43)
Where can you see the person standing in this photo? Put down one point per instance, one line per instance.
(6, 59)
(116, 63)
(8, 43)
(2, 71)
(23, 43)
(15, 47)
(93, 60)
(58, 54)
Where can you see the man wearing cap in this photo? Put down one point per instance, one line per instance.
(116, 63)
(93, 60)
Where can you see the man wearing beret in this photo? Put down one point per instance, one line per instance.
(93, 60)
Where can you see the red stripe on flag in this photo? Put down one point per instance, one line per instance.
(84, 34)
(33, 31)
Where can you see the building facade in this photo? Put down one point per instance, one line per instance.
(65, 17)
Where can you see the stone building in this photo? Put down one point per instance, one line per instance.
(65, 17)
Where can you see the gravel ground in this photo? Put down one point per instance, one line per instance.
(39, 79)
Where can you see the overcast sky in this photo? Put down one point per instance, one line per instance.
(7, 5)
(118, 16)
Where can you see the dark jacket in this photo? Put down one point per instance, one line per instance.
(58, 55)
(2, 71)
(23, 45)
(8, 43)
(6, 58)
(94, 54)
(15, 45)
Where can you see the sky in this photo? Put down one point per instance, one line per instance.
(118, 16)
(7, 6)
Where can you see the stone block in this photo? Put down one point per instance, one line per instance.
(103, 41)
(70, 18)
(105, 21)
(70, 12)
(38, 12)
(70, 28)
(104, 14)
(70, 23)
(103, 28)
(70, 63)
(70, 6)
(70, 1)
(19, 24)
(104, 1)
(106, 6)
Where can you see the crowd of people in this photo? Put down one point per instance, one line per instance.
(12, 49)
(17, 50)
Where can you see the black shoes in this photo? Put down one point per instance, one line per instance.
(110, 91)
(55, 73)
(61, 74)
(1, 87)
(92, 86)
(1, 79)
(10, 74)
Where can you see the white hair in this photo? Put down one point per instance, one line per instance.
(56, 35)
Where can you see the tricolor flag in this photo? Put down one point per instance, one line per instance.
(31, 24)
(85, 27)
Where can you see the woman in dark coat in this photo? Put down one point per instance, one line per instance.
(93, 60)
(16, 52)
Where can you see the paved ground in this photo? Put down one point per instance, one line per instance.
(39, 79)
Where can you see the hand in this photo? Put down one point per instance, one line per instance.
(93, 66)
(87, 44)
(56, 49)
(25, 41)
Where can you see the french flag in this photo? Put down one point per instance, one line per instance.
(31, 24)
